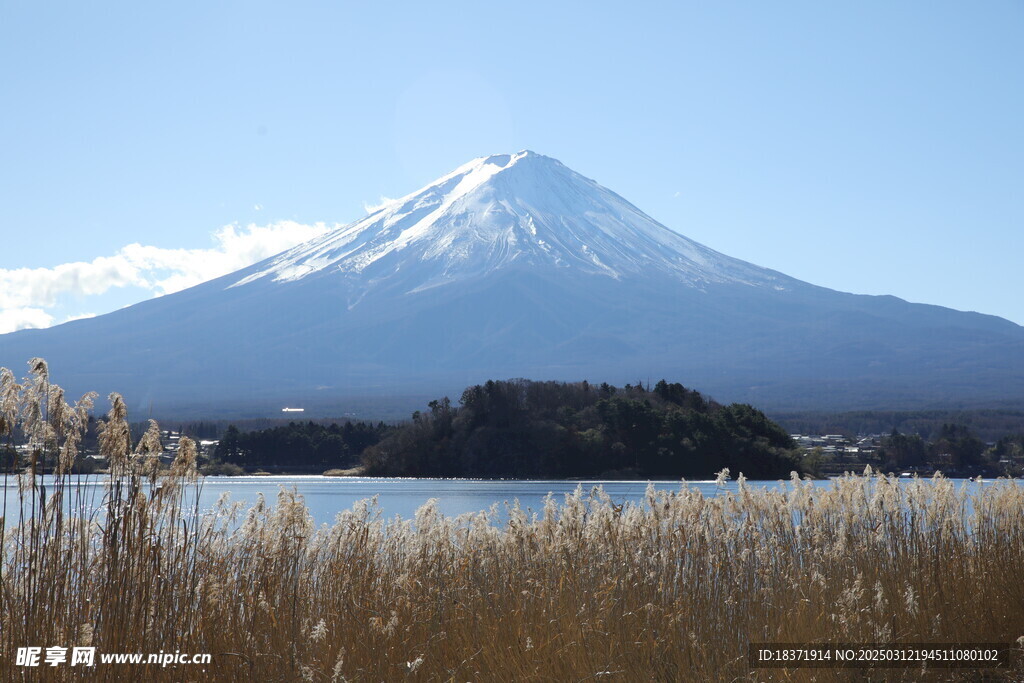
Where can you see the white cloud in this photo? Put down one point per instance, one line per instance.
(171, 270)
(13, 319)
(78, 316)
(382, 204)
(26, 287)
(25, 293)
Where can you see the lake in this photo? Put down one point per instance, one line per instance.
(327, 496)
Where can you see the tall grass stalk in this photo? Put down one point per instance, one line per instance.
(673, 588)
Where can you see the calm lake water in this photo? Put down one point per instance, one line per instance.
(327, 496)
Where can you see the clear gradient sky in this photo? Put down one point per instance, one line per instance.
(871, 147)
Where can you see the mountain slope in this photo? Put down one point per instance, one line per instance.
(504, 211)
(516, 266)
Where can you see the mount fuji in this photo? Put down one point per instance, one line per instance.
(514, 265)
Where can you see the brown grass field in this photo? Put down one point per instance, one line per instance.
(674, 589)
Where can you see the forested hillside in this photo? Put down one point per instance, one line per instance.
(526, 429)
(299, 446)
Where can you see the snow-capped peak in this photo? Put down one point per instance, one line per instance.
(505, 210)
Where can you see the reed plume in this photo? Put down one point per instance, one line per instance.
(674, 587)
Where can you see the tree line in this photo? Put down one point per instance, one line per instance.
(298, 446)
(989, 424)
(526, 429)
(954, 449)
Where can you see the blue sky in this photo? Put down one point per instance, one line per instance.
(872, 147)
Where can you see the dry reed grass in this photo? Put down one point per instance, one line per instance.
(673, 589)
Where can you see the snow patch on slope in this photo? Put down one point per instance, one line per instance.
(504, 210)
